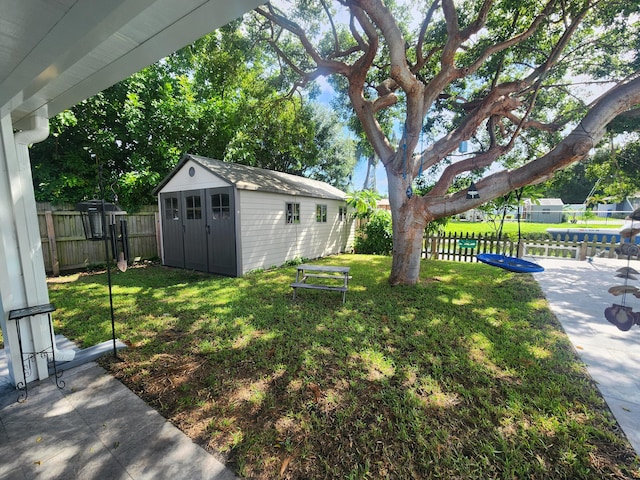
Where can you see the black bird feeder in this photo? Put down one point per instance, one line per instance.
(472, 192)
(99, 223)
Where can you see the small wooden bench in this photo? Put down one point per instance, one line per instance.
(328, 272)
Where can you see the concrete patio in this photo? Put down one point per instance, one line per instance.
(94, 428)
(577, 292)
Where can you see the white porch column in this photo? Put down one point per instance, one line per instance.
(23, 283)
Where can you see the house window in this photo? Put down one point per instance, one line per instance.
(220, 209)
(342, 214)
(293, 213)
(321, 213)
(194, 207)
(171, 209)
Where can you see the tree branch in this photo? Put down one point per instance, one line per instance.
(479, 23)
(498, 47)
(364, 63)
(485, 159)
(557, 50)
(497, 102)
(531, 124)
(574, 148)
(331, 66)
(504, 108)
(477, 162)
(421, 60)
(356, 34)
(336, 41)
(384, 20)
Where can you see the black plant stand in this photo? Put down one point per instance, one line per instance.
(28, 357)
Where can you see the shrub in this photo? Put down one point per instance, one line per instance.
(375, 237)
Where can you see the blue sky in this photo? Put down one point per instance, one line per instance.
(381, 178)
(360, 172)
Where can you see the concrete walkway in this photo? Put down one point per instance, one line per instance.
(577, 292)
(94, 428)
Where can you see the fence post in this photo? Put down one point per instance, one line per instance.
(434, 247)
(582, 253)
(53, 247)
(156, 217)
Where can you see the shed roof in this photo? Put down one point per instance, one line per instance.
(244, 177)
(551, 202)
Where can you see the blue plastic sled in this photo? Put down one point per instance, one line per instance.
(513, 264)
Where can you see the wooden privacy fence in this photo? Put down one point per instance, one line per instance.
(65, 248)
(464, 247)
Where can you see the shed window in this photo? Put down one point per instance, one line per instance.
(546, 211)
(293, 213)
(321, 213)
(171, 209)
(342, 213)
(194, 207)
(220, 206)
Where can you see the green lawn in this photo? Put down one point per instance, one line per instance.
(511, 227)
(465, 376)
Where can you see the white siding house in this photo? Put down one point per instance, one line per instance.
(230, 219)
(546, 210)
(618, 209)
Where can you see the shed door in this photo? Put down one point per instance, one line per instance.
(195, 239)
(172, 233)
(221, 229)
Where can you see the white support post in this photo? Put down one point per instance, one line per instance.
(21, 250)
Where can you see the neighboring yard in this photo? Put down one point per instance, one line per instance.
(465, 376)
(511, 227)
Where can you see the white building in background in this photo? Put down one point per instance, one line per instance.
(546, 210)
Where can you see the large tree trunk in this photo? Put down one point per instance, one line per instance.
(407, 253)
(408, 232)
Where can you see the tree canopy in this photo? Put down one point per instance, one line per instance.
(518, 81)
(219, 97)
(616, 163)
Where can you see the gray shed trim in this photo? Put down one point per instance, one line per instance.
(244, 177)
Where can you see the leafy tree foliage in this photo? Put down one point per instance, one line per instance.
(497, 74)
(616, 169)
(572, 185)
(363, 203)
(616, 164)
(218, 97)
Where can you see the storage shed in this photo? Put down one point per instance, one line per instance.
(621, 209)
(546, 210)
(228, 219)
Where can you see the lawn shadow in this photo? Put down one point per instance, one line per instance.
(466, 372)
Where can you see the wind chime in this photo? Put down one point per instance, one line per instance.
(620, 314)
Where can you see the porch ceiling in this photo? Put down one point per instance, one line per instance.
(59, 52)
